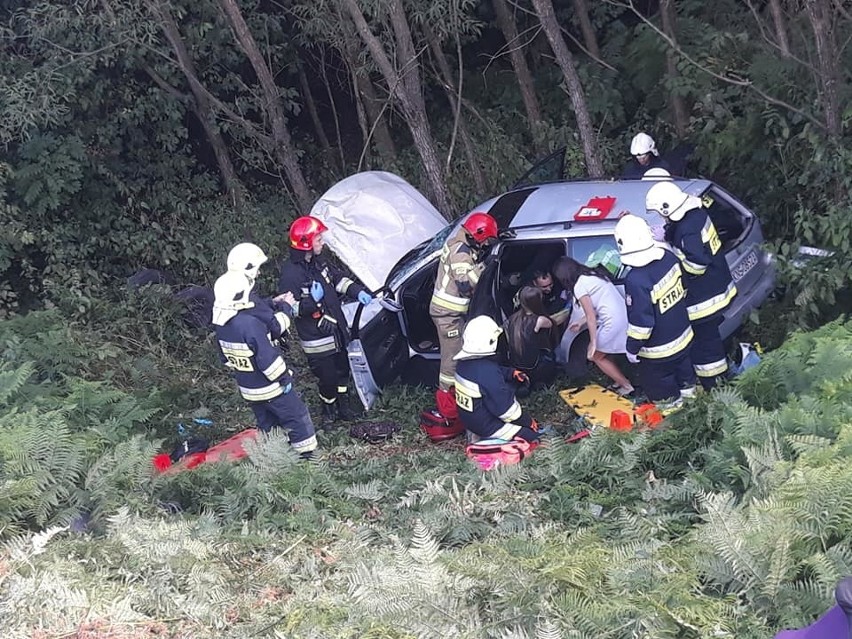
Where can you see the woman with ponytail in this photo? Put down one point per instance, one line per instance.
(605, 315)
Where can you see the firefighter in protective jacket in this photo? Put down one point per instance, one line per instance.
(658, 331)
(318, 286)
(459, 269)
(710, 287)
(262, 375)
(247, 258)
(485, 390)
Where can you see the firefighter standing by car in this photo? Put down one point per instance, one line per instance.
(645, 157)
(485, 390)
(710, 287)
(262, 375)
(318, 287)
(461, 264)
(658, 331)
(247, 258)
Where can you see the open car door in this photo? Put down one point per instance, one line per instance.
(378, 350)
(550, 169)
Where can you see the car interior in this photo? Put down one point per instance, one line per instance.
(518, 260)
(415, 296)
(730, 223)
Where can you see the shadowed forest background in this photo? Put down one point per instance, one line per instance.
(159, 133)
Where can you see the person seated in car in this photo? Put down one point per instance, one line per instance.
(531, 336)
(645, 157)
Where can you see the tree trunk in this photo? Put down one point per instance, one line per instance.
(591, 152)
(201, 104)
(506, 22)
(780, 27)
(333, 105)
(678, 104)
(820, 16)
(408, 90)
(366, 97)
(378, 121)
(312, 109)
(590, 38)
(284, 150)
(451, 91)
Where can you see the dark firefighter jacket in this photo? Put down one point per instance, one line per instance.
(245, 347)
(321, 325)
(709, 286)
(485, 395)
(658, 324)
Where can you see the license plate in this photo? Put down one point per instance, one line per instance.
(744, 266)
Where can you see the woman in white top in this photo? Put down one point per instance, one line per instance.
(606, 315)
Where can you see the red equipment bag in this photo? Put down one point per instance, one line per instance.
(437, 427)
(490, 453)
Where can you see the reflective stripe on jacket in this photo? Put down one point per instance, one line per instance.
(485, 397)
(458, 275)
(709, 286)
(246, 348)
(658, 322)
(321, 325)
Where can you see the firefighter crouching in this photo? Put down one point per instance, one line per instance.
(263, 378)
(459, 269)
(317, 287)
(658, 331)
(485, 390)
(709, 285)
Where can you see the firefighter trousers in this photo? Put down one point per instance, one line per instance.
(450, 340)
(288, 412)
(332, 373)
(708, 351)
(663, 380)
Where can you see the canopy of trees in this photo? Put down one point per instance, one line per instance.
(160, 132)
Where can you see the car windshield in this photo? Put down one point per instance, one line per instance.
(411, 260)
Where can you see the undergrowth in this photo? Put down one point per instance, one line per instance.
(732, 520)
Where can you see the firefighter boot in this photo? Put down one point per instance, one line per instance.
(329, 415)
(344, 410)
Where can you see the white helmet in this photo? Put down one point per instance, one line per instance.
(635, 243)
(668, 200)
(246, 258)
(656, 174)
(641, 144)
(479, 338)
(230, 295)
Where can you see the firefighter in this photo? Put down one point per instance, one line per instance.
(263, 377)
(645, 157)
(485, 391)
(709, 285)
(318, 287)
(658, 331)
(247, 258)
(462, 262)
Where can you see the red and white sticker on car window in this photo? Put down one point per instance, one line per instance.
(596, 208)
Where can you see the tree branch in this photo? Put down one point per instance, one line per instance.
(740, 82)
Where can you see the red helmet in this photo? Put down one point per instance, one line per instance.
(481, 227)
(303, 231)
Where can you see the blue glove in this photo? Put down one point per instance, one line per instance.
(317, 291)
(365, 298)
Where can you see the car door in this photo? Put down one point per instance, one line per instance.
(378, 350)
(549, 169)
